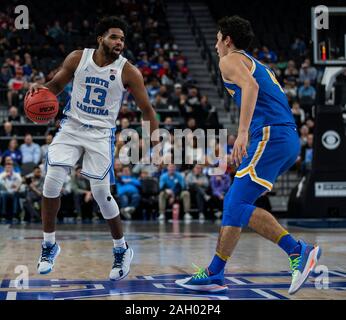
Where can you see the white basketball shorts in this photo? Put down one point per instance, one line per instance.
(75, 140)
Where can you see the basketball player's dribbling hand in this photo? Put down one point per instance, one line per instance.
(239, 149)
(35, 87)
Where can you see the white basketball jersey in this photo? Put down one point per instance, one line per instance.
(97, 92)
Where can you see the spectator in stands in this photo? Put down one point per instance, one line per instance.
(67, 204)
(193, 100)
(307, 72)
(153, 88)
(8, 160)
(197, 183)
(174, 98)
(83, 199)
(128, 191)
(172, 189)
(31, 151)
(44, 148)
(191, 124)
(27, 67)
(13, 115)
(290, 89)
(267, 55)
(298, 114)
(16, 87)
(306, 155)
(167, 77)
(158, 102)
(304, 132)
(219, 186)
(307, 93)
(8, 130)
(5, 76)
(118, 167)
(298, 47)
(10, 183)
(206, 116)
(56, 32)
(124, 123)
(168, 124)
(145, 165)
(230, 143)
(311, 125)
(181, 67)
(32, 203)
(291, 73)
(125, 112)
(13, 152)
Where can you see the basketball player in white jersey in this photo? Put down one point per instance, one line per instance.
(99, 80)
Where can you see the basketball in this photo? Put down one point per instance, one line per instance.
(41, 107)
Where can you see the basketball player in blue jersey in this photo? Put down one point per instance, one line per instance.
(88, 131)
(266, 117)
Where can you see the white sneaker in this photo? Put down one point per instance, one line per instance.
(187, 217)
(161, 217)
(48, 255)
(201, 217)
(122, 261)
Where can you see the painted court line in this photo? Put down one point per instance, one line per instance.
(235, 280)
(337, 274)
(264, 294)
(11, 295)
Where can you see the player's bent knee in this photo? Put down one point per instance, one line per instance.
(54, 180)
(108, 207)
(238, 214)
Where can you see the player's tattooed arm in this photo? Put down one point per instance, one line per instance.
(133, 78)
(63, 76)
(233, 68)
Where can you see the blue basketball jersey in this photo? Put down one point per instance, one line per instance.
(272, 107)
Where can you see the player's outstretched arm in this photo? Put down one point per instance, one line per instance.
(63, 76)
(133, 78)
(234, 69)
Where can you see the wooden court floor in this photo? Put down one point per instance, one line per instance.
(163, 253)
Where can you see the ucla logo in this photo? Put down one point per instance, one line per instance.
(241, 286)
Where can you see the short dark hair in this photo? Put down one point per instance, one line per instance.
(238, 29)
(107, 23)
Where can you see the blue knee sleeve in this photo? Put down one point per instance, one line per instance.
(238, 203)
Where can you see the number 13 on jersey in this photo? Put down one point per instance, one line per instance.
(100, 98)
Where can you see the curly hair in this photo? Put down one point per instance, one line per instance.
(238, 29)
(110, 22)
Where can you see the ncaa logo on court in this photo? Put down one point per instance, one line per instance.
(331, 140)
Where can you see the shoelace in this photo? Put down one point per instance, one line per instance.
(46, 253)
(119, 256)
(294, 263)
(200, 274)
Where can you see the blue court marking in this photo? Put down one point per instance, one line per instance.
(239, 288)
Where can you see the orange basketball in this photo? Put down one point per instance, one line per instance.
(42, 106)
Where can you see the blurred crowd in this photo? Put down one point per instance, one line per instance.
(142, 191)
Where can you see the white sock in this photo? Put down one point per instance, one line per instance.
(49, 237)
(119, 243)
